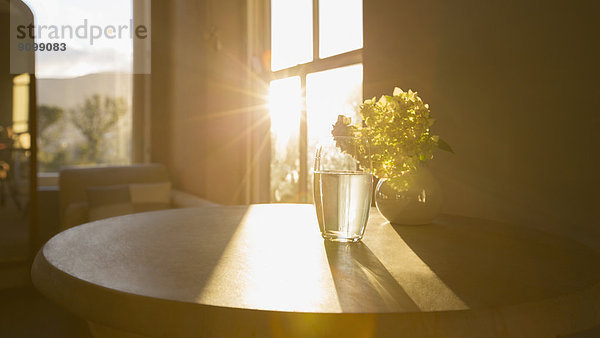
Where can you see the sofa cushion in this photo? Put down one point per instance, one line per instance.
(118, 200)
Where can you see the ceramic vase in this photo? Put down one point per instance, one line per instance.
(411, 199)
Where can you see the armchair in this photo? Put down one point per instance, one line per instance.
(81, 189)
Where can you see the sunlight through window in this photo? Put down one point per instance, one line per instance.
(332, 86)
(259, 279)
(291, 33)
(340, 26)
(285, 106)
(328, 94)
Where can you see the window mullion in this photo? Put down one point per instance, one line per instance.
(315, 30)
(303, 136)
(336, 61)
(303, 145)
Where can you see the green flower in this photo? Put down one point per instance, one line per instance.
(397, 128)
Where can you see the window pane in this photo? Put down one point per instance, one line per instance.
(340, 26)
(284, 108)
(328, 94)
(84, 94)
(291, 33)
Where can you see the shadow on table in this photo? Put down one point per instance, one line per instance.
(191, 230)
(488, 263)
(362, 282)
(139, 243)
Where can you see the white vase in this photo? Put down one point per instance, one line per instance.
(411, 199)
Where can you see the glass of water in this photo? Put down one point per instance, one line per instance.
(343, 187)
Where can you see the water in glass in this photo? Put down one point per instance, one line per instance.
(342, 202)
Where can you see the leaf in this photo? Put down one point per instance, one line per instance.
(443, 145)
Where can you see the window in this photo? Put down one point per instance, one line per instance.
(84, 92)
(316, 75)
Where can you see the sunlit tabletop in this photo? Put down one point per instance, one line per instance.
(264, 270)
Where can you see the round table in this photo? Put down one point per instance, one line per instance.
(264, 271)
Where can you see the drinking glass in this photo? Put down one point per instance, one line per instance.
(343, 187)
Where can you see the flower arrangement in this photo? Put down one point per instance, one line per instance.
(397, 128)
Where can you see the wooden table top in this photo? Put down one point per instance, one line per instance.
(255, 263)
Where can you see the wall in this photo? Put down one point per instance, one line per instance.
(514, 86)
(198, 128)
(6, 79)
